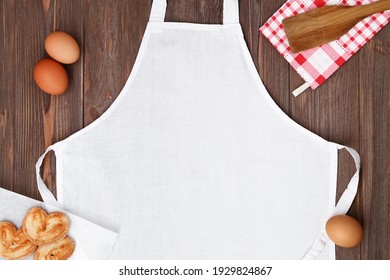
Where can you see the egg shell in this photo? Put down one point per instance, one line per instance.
(344, 231)
(51, 76)
(62, 47)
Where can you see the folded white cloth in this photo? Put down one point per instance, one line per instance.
(92, 241)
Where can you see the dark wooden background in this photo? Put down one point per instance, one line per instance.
(351, 108)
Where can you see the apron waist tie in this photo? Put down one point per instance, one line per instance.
(46, 194)
(341, 208)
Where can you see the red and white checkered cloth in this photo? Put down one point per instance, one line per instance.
(317, 64)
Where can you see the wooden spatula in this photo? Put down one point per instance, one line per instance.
(323, 25)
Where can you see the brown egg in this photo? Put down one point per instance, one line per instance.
(50, 76)
(62, 47)
(344, 231)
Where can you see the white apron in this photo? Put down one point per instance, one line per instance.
(194, 160)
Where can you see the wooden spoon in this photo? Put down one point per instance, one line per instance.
(328, 23)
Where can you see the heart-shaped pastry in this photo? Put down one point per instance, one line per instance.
(42, 228)
(14, 244)
(60, 250)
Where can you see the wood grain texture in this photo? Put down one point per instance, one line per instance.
(196, 11)
(7, 100)
(351, 107)
(273, 68)
(112, 40)
(374, 120)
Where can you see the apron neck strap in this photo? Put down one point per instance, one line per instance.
(157, 14)
(230, 11)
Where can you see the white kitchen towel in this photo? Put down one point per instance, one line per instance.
(92, 241)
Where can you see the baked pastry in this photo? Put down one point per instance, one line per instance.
(42, 228)
(60, 250)
(14, 243)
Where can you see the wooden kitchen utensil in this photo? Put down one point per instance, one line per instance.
(323, 25)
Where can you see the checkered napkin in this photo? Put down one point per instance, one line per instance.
(317, 64)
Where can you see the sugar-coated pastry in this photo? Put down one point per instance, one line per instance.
(14, 243)
(60, 250)
(42, 228)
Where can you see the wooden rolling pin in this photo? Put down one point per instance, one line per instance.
(328, 23)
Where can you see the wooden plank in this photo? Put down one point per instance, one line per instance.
(113, 34)
(7, 98)
(69, 107)
(374, 82)
(63, 114)
(27, 101)
(274, 69)
(194, 11)
(250, 22)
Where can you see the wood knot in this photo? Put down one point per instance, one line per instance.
(109, 95)
(93, 113)
(46, 5)
(381, 47)
(3, 119)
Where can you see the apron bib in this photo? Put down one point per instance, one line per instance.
(194, 160)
